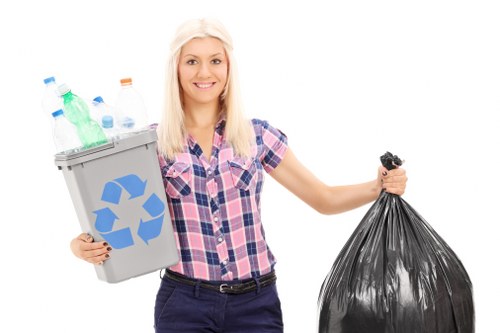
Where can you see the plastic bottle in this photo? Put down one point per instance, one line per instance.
(65, 134)
(106, 117)
(107, 124)
(77, 112)
(130, 107)
(51, 100)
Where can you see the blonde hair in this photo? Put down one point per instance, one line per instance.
(172, 132)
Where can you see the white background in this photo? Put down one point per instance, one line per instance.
(345, 81)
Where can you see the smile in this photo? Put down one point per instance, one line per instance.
(204, 85)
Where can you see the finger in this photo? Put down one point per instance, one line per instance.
(99, 254)
(86, 237)
(93, 246)
(383, 171)
(395, 180)
(396, 172)
(395, 190)
(99, 260)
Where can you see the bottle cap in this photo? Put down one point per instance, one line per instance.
(128, 122)
(49, 80)
(63, 89)
(57, 113)
(126, 81)
(98, 100)
(107, 122)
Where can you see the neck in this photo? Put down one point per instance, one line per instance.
(201, 116)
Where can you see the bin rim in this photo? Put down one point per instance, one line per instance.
(130, 141)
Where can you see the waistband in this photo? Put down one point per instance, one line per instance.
(229, 287)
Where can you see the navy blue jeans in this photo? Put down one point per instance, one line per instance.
(188, 309)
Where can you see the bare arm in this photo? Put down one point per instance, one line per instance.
(334, 199)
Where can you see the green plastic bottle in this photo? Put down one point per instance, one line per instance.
(77, 112)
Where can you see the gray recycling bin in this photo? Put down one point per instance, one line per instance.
(118, 194)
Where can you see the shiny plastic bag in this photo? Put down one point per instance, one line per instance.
(395, 274)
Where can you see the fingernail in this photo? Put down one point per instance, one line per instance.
(100, 262)
(109, 248)
(104, 244)
(107, 255)
(384, 173)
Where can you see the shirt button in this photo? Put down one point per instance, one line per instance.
(216, 219)
(220, 239)
(209, 172)
(225, 262)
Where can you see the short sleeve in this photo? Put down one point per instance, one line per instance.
(273, 142)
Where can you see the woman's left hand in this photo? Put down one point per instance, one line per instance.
(392, 181)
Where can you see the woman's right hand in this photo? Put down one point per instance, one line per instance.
(85, 248)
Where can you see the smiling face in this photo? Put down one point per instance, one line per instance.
(203, 69)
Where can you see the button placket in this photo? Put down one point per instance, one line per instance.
(219, 234)
(221, 244)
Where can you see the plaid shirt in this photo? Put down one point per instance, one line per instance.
(215, 205)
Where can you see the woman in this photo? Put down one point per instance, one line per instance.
(213, 162)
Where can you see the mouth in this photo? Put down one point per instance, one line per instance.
(204, 85)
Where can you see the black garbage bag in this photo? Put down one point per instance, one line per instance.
(395, 274)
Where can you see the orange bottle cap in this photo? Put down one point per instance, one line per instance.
(126, 81)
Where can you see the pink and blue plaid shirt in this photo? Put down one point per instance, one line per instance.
(215, 205)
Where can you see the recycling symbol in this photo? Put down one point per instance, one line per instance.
(150, 222)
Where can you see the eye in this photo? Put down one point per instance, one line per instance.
(191, 62)
(216, 61)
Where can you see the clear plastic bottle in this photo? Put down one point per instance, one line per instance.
(77, 112)
(51, 100)
(64, 132)
(106, 117)
(130, 107)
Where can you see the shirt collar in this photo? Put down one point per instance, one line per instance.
(219, 127)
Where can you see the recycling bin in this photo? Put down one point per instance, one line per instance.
(118, 194)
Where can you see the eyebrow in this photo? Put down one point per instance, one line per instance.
(213, 55)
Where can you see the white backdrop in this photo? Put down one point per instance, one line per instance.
(345, 81)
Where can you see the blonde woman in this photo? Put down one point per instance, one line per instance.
(213, 162)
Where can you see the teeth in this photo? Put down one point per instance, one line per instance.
(204, 85)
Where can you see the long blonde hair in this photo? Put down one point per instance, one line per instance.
(172, 132)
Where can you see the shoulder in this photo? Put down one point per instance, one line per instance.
(260, 125)
(259, 122)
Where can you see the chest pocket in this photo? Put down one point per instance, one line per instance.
(243, 172)
(177, 179)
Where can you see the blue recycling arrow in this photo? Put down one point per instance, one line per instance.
(105, 219)
(154, 206)
(111, 193)
(150, 229)
(133, 185)
(119, 239)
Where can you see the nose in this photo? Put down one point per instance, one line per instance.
(204, 70)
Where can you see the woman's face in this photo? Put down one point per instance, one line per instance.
(203, 68)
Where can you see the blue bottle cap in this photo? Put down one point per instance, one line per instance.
(128, 122)
(107, 122)
(57, 113)
(98, 99)
(49, 80)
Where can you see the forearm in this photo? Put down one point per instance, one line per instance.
(339, 199)
(321, 197)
